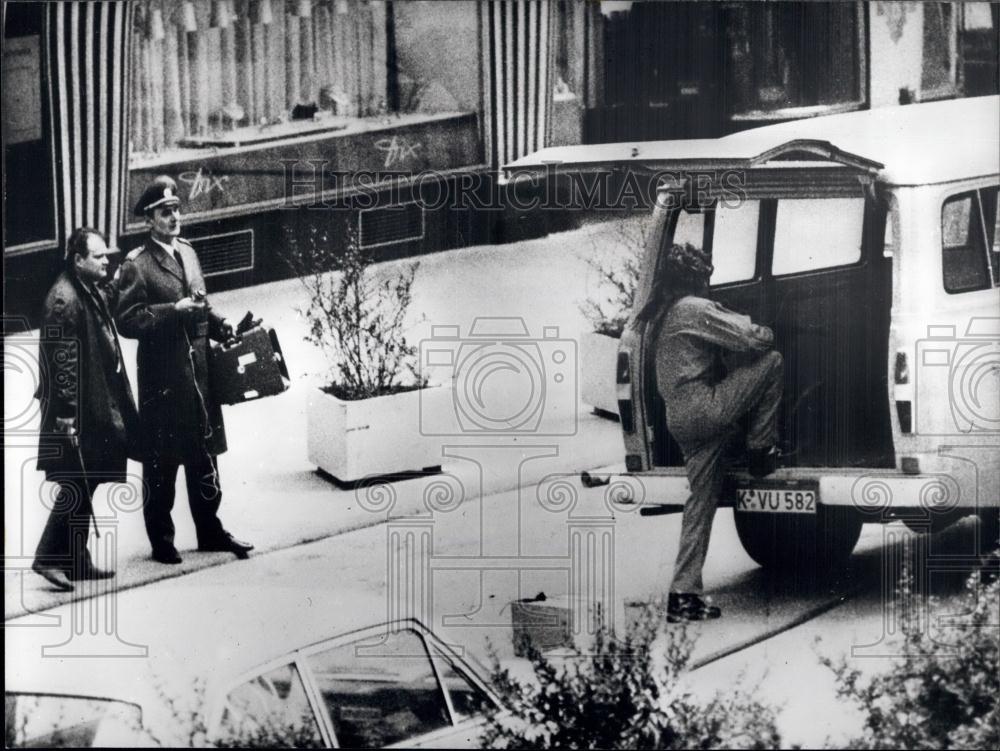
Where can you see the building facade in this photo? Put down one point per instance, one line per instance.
(276, 116)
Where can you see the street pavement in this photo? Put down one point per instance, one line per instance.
(272, 495)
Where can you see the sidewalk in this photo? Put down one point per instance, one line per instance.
(272, 496)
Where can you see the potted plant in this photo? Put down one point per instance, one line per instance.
(363, 415)
(607, 311)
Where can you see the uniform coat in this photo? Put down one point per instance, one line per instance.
(83, 377)
(179, 420)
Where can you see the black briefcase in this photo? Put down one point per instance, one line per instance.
(250, 368)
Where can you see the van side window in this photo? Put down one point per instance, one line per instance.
(817, 233)
(964, 263)
(991, 223)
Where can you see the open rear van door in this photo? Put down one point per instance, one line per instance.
(730, 196)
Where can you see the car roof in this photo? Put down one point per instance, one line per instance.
(195, 631)
(906, 145)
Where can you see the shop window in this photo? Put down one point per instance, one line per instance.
(227, 72)
(817, 233)
(964, 263)
(788, 56)
(938, 68)
(979, 36)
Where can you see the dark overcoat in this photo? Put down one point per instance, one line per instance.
(82, 376)
(178, 417)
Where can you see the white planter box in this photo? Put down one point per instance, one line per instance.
(379, 436)
(598, 360)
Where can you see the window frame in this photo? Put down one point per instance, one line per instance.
(81, 697)
(766, 232)
(858, 102)
(980, 227)
(862, 250)
(954, 85)
(434, 649)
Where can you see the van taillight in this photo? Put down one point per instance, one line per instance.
(621, 374)
(902, 370)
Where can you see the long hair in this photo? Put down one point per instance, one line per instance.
(686, 271)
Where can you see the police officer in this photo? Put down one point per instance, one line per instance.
(162, 303)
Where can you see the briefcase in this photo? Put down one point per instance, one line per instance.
(250, 368)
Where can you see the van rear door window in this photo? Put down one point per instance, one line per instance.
(817, 233)
(734, 242)
(964, 263)
(732, 237)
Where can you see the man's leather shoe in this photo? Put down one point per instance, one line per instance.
(54, 576)
(228, 544)
(89, 571)
(687, 606)
(166, 556)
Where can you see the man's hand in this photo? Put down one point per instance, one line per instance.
(67, 426)
(226, 331)
(189, 305)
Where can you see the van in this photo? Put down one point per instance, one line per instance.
(870, 243)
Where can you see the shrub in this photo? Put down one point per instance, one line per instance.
(617, 270)
(944, 691)
(622, 694)
(356, 319)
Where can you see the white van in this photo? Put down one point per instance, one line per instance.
(870, 243)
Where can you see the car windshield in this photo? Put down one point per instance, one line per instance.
(46, 721)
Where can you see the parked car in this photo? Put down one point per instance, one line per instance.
(870, 243)
(277, 660)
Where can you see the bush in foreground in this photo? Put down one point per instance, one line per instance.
(622, 694)
(944, 692)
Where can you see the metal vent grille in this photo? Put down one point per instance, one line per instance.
(225, 253)
(390, 225)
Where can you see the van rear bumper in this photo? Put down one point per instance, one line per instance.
(871, 491)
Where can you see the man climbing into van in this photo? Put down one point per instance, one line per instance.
(714, 369)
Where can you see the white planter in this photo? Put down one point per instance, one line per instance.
(379, 436)
(598, 360)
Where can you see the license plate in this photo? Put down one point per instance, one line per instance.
(777, 499)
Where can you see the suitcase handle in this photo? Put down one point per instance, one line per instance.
(279, 356)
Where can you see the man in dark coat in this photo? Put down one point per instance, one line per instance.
(88, 413)
(162, 304)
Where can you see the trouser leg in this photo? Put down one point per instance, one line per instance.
(705, 472)
(754, 390)
(63, 543)
(205, 497)
(159, 478)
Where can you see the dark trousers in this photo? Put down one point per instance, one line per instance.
(201, 476)
(64, 540)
